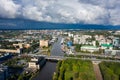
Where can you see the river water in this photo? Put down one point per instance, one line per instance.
(48, 70)
(56, 48)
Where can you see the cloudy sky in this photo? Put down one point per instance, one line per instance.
(63, 11)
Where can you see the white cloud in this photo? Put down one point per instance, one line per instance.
(115, 16)
(8, 8)
(66, 11)
(32, 12)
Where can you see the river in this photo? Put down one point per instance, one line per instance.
(48, 70)
(56, 48)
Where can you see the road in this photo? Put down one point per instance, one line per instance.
(90, 54)
(93, 59)
(56, 48)
(62, 57)
(96, 55)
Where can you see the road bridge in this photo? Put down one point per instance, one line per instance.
(63, 58)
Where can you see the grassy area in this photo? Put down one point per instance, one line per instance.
(71, 69)
(110, 70)
(46, 50)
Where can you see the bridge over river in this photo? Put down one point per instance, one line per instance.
(63, 58)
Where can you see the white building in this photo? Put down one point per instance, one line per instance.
(33, 64)
(89, 48)
(81, 39)
(44, 43)
(70, 35)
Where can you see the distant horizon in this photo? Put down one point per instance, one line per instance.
(26, 24)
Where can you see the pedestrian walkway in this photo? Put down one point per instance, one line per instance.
(97, 72)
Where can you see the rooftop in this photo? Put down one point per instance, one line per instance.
(106, 45)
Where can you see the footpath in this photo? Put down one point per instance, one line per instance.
(97, 71)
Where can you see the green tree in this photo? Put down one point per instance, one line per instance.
(97, 43)
(77, 47)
